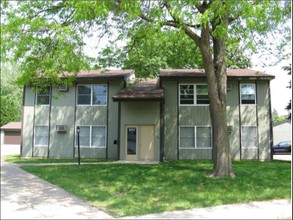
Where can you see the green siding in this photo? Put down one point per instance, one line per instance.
(248, 115)
(91, 115)
(194, 115)
(170, 118)
(61, 143)
(263, 120)
(62, 113)
(233, 94)
(195, 154)
(113, 120)
(234, 136)
(41, 152)
(91, 152)
(42, 113)
(27, 123)
(249, 154)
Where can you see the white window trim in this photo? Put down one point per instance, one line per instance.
(194, 94)
(44, 146)
(195, 133)
(36, 98)
(241, 94)
(91, 128)
(91, 85)
(256, 136)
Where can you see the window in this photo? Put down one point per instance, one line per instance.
(43, 96)
(41, 136)
(247, 94)
(204, 137)
(248, 136)
(186, 95)
(187, 137)
(84, 95)
(195, 137)
(92, 136)
(202, 96)
(131, 141)
(193, 94)
(92, 95)
(99, 95)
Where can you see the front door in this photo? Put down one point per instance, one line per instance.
(147, 139)
(140, 142)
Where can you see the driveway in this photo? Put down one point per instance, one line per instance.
(25, 196)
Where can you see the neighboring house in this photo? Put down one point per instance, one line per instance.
(11, 133)
(153, 119)
(282, 132)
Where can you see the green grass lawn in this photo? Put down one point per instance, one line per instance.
(136, 189)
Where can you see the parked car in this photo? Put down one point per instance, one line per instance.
(283, 146)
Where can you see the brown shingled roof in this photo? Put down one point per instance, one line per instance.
(89, 75)
(200, 73)
(145, 90)
(12, 126)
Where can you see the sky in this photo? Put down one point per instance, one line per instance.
(280, 94)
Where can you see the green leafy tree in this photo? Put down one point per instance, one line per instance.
(151, 49)
(47, 37)
(148, 51)
(10, 95)
(276, 118)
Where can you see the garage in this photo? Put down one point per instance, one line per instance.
(11, 133)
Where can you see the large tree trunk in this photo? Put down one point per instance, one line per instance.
(217, 83)
(215, 68)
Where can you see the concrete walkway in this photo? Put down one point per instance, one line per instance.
(25, 196)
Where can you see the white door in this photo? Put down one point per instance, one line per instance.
(140, 142)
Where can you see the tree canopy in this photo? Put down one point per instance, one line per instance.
(10, 95)
(48, 36)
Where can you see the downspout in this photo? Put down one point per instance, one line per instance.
(162, 126)
(34, 120)
(49, 135)
(21, 134)
(256, 113)
(74, 123)
(119, 130)
(107, 129)
(239, 115)
(177, 120)
(271, 122)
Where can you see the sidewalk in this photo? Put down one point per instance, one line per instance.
(276, 209)
(25, 196)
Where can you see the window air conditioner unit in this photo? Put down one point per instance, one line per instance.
(62, 88)
(61, 128)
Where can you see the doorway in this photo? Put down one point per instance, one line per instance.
(140, 142)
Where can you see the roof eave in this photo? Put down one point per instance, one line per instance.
(137, 99)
